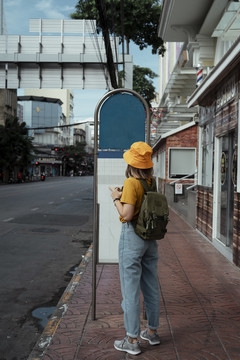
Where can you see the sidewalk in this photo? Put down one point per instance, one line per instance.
(200, 307)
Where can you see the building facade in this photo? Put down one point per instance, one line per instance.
(87, 126)
(67, 98)
(210, 34)
(218, 190)
(45, 120)
(8, 104)
(175, 163)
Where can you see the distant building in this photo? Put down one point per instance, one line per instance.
(79, 135)
(88, 127)
(43, 115)
(8, 104)
(65, 95)
(46, 121)
(8, 97)
(20, 113)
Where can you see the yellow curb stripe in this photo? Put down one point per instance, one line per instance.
(51, 327)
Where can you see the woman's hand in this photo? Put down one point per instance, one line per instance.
(116, 193)
(126, 211)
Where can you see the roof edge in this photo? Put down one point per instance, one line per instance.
(224, 66)
(167, 6)
(39, 98)
(174, 131)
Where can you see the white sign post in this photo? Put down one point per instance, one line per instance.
(178, 189)
(122, 125)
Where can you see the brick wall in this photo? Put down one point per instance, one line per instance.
(236, 229)
(185, 138)
(204, 211)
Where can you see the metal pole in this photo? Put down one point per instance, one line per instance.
(1, 17)
(95, 198)
(95, 215)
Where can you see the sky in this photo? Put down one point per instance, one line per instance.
(17, 15)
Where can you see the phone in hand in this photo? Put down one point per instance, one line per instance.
(118, 188)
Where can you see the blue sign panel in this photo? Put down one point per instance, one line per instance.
(110, 154)
(122, 122)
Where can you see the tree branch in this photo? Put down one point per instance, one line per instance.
(100, 5)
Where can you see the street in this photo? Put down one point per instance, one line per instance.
(46, 228)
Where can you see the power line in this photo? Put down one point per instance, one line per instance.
(55, 127)
(99, 54)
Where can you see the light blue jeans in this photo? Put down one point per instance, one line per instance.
(138, 260)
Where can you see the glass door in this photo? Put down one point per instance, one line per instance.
(228, 175)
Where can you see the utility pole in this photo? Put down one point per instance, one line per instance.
(100, 5)
(1, 17)
(3, 28)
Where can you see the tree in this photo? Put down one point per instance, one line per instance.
(73, 157)
(16, 149)
(142, 82)
(140, 20)
(101, 8)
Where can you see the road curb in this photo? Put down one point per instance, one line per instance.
(47, 335)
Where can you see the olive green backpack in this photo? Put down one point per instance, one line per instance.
(152, 220)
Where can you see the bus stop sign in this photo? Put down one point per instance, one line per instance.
(122, 121)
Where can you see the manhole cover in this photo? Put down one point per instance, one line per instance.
(44, 230)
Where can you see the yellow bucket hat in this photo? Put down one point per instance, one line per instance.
(139, 155)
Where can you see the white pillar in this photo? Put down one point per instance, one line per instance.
(128, 84)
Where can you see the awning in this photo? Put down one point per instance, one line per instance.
(182, 82)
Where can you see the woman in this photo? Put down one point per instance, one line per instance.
(138, 258)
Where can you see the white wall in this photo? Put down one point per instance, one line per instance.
(110, 172)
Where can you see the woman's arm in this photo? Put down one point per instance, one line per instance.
(126, 211)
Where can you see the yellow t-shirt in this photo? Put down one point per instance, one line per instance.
(132, 194)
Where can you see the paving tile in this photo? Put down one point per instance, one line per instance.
(200, 307)
(66, 352)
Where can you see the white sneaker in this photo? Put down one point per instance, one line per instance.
(125, 345)
(152, 339)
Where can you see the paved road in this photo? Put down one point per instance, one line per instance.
(45, 229)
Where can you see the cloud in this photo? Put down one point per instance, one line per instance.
(15, 15)
(11, 3)
(53, 11)
(18, 12)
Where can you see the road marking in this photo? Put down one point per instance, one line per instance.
(51, 202)
(62, 198)
(10, 219)
(34, 209)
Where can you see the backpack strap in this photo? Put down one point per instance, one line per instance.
(152, 187)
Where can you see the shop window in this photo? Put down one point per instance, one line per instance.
(207, 155)
(182, 162)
